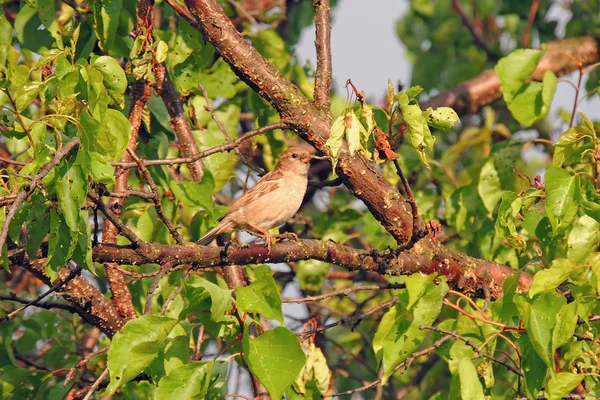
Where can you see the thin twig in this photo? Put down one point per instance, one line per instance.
(124, 230)
(341, 292)
(532, 11)
(217, 149)
(47, 305)
(81, 363)
(155, 198)
(54, 288)
(242, 11)
(322, 184)
(95, 385)
(211, 110)
(577, 90)
(476, 36)
(418, 233)
(28, 189)
(164, 268)
(404, 364)
(476, 348)
(13, 162)
(355, 319)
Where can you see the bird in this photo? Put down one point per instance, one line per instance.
(272, 201)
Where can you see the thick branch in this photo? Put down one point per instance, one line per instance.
(464, 273)
(179, 120)
(561, 58)
(359, 175)
(89, 302)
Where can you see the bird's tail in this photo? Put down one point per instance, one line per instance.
(214, 232)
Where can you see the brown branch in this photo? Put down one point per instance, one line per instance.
(463, 273)
(91, 305)
(179, 120)
(470, 96)
(217, 149)
(322, 91)
(138, 243)
(359, 175)
(140, 93)
(29, 188)
(164, 269)
(47, 305)
(354, 319)
(341, 292)
(156, 200)
(96, 384)
(476, 36)
(532, 11)
(13, 162)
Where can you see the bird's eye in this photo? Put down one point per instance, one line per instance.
(294, 155)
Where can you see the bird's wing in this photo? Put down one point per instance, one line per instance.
(266, 184)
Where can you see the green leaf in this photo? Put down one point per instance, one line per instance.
(566, 322)
(560, 197)
(508, 217)
(316, 370)
(515, 69)
(190, 381)
(539, 318)
(221, 165)
(27, 23)
(196, 288)
(489, 186)
(275, 358)
(533, 366)
(442, 118)
(416, 285)
(134, 347)
(548, 279)
(38, 227)
(561, 384)
(336, 138)
(312, 274)
(262, 297)
(113, 138)
(60, 244)
(162, 50)
(114, 77)
(352, 132)
(470, 385)
(418, 131)
(71, 189)
(398, 335)
(47, 14)
(567, 144)
(195, 194)
(106, 21)
(25, 94)
(583, 238)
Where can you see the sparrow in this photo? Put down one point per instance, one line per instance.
(272, 201)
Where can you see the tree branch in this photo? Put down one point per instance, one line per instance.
(463, 273)
(470, 96)
(322, 92)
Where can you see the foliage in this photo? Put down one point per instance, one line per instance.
(527, 200)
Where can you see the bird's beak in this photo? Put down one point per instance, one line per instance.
(306, 159)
